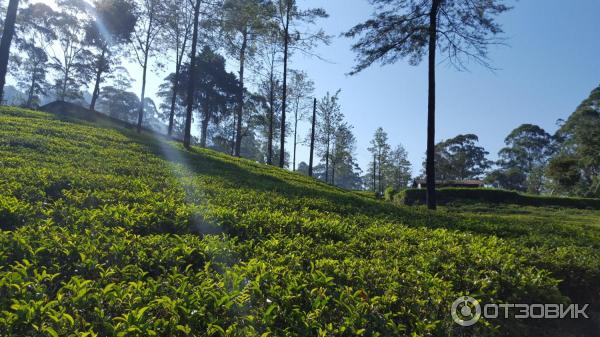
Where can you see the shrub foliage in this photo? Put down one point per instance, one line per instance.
(494, 196)
(108, 233)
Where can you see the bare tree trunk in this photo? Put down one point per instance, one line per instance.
(295, 136)
(379, 175)
(173, 100)
(143, 95)
(271, 117)
(63, 90)
(240, 107)
(232, 143)
(31, 91)
(327, 162)
(312, 139)
(176, 84)
(374, 173)
(96, 91)
(7, 35)
(187, 139)
(430, 165)
(204, 128)
(286, 41)
(333, 161)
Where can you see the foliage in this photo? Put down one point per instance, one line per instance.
(523, 161)
(579, 139)
(214, 90)
(398, 29)
(389, 194)
(495, 196)
(330, 117)
(380, 149)
(112, 24)
(410, 29)
(69, 55)
(109, 233)
(34, 33)
(460, 158)
(300, 93)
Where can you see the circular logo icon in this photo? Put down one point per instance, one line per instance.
(466, 311)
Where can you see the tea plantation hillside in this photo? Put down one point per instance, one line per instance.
(108, 233)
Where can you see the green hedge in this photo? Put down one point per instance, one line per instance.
(493, 196)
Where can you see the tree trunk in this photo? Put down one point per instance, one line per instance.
(374, 173)
(271, 117)
(232, 143)
(173, 99)
(333, 162)
(312, 139)
(143, 95)
(176, 83)
(240, 107)
(204, 128)
(7, 35)
(430, 165)
(295, 137)
(380, 175)
(284, 97)
(327, 162)
(31, 90)
(187, 139)
(63, 90)
(96, 91)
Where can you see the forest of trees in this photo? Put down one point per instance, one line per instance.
(78, 52)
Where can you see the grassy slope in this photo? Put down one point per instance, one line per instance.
(115, 233)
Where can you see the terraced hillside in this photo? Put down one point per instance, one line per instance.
(108, 233)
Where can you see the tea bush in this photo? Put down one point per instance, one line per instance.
(105, 232)
(494, 196)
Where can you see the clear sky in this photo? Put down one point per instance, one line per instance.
(551, 63)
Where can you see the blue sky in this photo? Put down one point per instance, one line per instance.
(551, 63)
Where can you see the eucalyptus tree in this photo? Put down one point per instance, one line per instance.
(579, 151)
(398, 171)
(69, 55)
(145, 42)
(290, 18)
(300, 90)
(528, 150)
(313, 126)
(214, 90)
(166, 91)
(269, 85)
(343, 165)
(28, 68)
(330, 117)
(187, 131)
(33, 38)
(243, 23)
(270, 89)
(7, 35)
(116, 100)
(461, 29)
(177, 35)
(460, 158)
(380, 149)
(112, 25)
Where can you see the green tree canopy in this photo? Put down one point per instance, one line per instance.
(579, 153)
(460, 158)
(523, 161)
